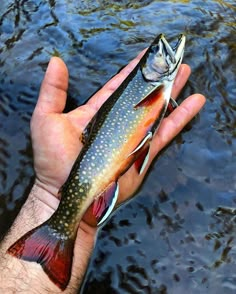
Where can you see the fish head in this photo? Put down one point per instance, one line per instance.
(161, 62)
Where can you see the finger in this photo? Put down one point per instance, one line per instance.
(115, 82)
(52, 97)
(84, 113)
(180, 80)
(81, 115)
(169, 128)
(176, 121)
(101, 96)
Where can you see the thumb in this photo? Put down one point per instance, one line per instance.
(53, 92)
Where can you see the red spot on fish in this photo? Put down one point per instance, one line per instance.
(149, 122)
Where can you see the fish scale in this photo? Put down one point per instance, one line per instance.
(117, 137)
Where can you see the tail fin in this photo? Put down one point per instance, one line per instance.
(51, 249)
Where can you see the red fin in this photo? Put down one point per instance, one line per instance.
(50, 249)
(104, 204)
(102, 207)
(89, 217)
(142, 160)
(150, 98)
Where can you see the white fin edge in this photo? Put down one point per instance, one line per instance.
(148, 137)
(109, 211)
(145, 162)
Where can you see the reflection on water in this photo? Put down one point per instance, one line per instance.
(178, 234)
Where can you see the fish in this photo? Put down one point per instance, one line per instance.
(117, 137)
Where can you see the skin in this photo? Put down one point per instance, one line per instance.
(55, 139)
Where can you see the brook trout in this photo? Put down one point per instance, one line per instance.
(116, 138)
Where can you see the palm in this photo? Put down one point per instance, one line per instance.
(56, 144)
(59, 141)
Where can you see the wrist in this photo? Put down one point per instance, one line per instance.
(18, 275)
(38, 207)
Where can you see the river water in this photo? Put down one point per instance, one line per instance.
(178, 234)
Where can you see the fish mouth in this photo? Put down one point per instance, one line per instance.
(173, 56)
(163, 61)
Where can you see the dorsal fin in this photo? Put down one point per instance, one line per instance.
(151, 97)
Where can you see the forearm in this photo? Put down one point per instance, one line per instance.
(17, 276)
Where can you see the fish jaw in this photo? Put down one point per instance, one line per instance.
(162, 61)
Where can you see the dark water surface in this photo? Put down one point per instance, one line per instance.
(173, 237)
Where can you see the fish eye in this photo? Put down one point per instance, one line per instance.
(157, 48)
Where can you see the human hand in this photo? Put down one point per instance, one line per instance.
(56, 144)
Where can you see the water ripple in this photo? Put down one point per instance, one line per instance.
(171, 238)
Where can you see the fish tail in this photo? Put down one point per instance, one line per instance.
(51, 249)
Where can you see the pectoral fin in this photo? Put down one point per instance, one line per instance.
(151, 97)
(146, 139)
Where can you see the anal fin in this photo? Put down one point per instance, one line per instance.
(102, 206)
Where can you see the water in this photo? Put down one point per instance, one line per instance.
(172, 237)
